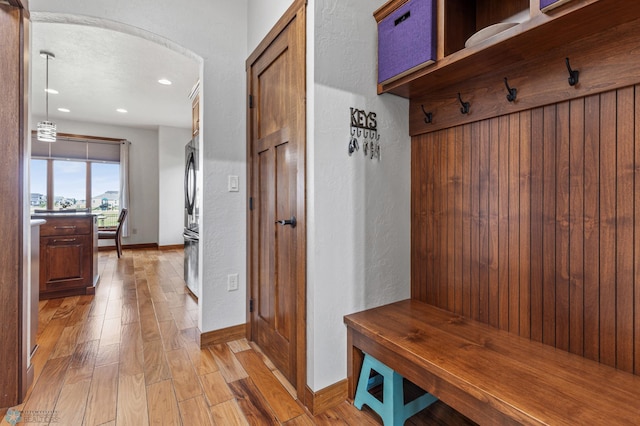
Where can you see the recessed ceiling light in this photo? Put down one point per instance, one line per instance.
(64, 110)
(52, 91)
(122, 110)
(165, 82)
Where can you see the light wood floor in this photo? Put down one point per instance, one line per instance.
(128, 356)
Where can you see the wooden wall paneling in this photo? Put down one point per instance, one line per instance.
(452, 222)
(432, 296)
(483, 222)
(474, 249)
(514, 223)
(531, 224)
(465, 213)
(419, 232)
(562, 227)
(576, 226)
(443, 216)
(549, 226)
(636, 234)
(503, 221)
(429, 148)
(608, 228)
(624, 229)
(591, 239)
(537, 224)
(493, 303)
(524, 209)
(458, 237)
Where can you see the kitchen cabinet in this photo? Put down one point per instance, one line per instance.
(68, 255)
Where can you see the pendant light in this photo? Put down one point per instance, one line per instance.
(47, 129)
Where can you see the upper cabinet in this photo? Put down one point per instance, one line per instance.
(473, 38)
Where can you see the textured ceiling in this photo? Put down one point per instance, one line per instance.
(98, 70)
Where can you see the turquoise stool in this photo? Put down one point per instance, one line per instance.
(393, 410)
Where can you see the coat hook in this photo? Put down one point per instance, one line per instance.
(511, 97)
(465, 105)
(573, 74)
(428, 116)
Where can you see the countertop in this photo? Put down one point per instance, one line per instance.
(61, 214)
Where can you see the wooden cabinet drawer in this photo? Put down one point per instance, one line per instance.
(64, 226)
(66, 262)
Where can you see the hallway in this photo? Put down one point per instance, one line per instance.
(128, 356)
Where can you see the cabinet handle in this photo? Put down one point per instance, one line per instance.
(65, 227)
(66, 240)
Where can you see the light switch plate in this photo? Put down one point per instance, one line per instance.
(233, 183)
(232, 282)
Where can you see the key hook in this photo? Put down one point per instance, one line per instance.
(573, 74)
(428, 116)
(511, 97)
(465, 105)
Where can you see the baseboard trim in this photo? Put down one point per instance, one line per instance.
(145, 246)
(327, 398)
(224, 335)
(171, 247)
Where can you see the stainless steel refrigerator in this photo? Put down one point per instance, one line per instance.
(191, 217)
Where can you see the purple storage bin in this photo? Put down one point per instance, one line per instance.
(406, 39)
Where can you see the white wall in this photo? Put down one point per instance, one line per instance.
(359, 254)
(262, 16)
(171, 142)
(216, 31)
(143, 174)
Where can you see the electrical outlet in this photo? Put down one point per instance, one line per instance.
(232, 282)
(134, 231)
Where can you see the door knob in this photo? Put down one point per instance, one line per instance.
(292, 222)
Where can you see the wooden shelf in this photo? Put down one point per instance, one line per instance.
(573, 21)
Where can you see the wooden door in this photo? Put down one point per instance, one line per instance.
(276, 138)
(14, 224)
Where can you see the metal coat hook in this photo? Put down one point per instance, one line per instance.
(511, 97)
(465, 105)
(573, 74)
(428, 116)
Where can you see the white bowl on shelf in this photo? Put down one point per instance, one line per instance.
(495, 29)
(487, 32)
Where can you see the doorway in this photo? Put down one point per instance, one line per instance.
(276, 153)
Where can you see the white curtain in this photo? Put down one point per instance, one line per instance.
(124, 184)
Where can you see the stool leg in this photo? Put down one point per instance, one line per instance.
(363, 382)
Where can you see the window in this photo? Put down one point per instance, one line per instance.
(38, 184)
(74, 173)
(69, 184)
(105, 192)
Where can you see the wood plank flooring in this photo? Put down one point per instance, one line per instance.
(128, 356)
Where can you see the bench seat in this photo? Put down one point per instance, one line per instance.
(489, 375)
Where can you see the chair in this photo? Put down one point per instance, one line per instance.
(114, 233)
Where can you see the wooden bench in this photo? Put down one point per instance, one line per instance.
(489, 375)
